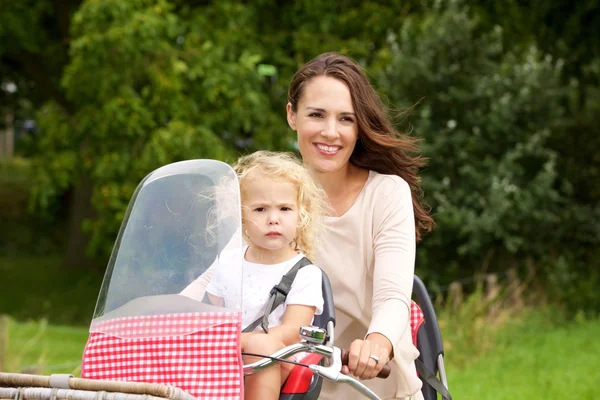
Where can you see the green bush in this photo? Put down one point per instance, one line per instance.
(488, 117)
(22, 231)
(15, 180)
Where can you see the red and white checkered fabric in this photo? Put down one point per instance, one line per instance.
(197, 352)
(416, 320)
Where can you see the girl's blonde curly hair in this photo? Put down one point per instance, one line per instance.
(311, 197)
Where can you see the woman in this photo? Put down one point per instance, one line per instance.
(376, 218)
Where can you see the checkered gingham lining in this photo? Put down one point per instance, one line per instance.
(416, 320)
(197, 352)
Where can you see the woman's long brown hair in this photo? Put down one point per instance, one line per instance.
(380, 147)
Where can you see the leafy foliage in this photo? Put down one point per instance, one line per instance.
(508, 119)
(488, 117)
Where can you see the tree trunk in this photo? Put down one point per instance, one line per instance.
(80, 209)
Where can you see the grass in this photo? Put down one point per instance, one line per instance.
(531, 357)
(534, 358)
(36, 347)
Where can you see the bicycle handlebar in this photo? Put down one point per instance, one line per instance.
(384, 373)
(337, 357)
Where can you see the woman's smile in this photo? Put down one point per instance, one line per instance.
(327, 150)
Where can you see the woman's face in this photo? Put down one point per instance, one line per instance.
(325, 123)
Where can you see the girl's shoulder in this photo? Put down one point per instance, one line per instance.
(309, 269)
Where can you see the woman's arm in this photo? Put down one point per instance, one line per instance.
(216, 300)
(394, 246)
(394, 265)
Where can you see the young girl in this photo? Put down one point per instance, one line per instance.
(281, 218)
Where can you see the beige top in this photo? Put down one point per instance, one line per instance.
(369, 255)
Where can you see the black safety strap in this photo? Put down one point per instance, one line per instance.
(278, 295)
(432, 380)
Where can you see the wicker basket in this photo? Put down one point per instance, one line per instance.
(62, 386)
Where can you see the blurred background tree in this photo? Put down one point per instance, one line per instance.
(507, 93)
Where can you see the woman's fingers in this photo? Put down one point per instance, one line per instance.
(371, 361)
(369, 355)
(382, 355)
(354, 355)
(365, 359)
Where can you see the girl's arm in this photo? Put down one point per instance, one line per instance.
(304, 300)
(288, 332)
(295, 315)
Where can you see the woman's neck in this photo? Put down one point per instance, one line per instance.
(335, 183)
(342, 187)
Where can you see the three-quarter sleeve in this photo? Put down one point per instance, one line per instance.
(394, 246)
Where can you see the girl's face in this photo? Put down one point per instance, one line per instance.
(270, 214)
(325, 123)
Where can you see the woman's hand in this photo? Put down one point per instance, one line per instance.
(367, 357)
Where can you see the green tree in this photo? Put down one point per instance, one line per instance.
(569, 31)
(34, 42)
(488, 117)
(151, 87)
(121, 88)
(145, 83)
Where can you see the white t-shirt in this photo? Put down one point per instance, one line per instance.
(258, 280)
